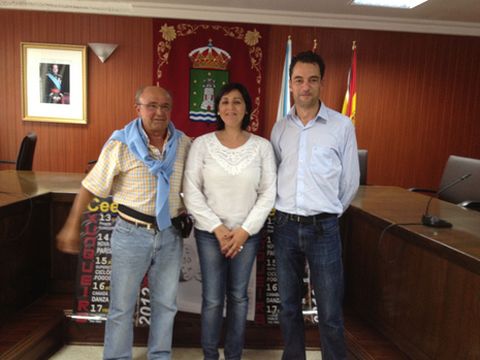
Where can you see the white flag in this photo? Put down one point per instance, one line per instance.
(284, 101)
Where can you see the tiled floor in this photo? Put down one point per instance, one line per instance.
(76, 352)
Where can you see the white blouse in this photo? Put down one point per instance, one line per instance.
(234, 187)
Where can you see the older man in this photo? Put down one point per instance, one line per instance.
(142, 167)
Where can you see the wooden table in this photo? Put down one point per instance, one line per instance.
(28, 261)
(419, 286)
(16, 186)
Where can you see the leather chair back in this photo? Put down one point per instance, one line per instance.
(26, 152)
(363, 161)
(467, 190)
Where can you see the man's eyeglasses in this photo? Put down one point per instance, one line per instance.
(155, 107)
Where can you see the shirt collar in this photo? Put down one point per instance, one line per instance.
(144, 134)
(322, 114)
(152, 148)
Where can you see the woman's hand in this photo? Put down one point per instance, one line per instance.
(223, 235)
(238, 237)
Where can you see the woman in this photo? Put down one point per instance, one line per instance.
(229, 186)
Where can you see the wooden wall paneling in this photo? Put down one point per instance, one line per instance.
(6, 151)
(111, 85)
(418, 143)
(337, 59)
(272, 74)
(417, 93)
(8, 65)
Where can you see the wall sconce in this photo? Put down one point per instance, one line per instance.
(103, 51)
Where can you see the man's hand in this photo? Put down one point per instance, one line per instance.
(68, 239)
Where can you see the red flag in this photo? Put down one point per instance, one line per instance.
(350, 102)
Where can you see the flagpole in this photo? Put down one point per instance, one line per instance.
(284, 99)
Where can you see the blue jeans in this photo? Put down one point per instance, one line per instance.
(320, 244)
(220, 277)
(135, 252)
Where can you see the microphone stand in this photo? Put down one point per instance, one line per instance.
(435, 221)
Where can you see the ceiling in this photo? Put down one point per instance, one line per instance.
(457, 17)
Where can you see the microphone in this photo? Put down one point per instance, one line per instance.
(434, 221)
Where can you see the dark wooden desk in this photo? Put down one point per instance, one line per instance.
(417, 285)
(26, 229)
(16, 186)
(33, 205)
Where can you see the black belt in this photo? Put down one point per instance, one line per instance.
(150, 222)
(149, 226)
(305, 219)
(144, 220)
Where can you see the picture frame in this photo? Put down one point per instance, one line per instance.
(54, 83)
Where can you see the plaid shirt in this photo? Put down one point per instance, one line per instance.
(119, 173)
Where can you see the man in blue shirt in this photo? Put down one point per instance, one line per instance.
(318, 176)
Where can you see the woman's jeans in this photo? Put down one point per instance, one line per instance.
(136, 251)
(224, 276)
(320, 244)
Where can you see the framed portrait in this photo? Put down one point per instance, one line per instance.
(54, 83)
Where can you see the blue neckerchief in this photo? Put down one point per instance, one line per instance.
(55, 81)
(135, 138)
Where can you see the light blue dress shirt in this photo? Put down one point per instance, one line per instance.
(318, 170)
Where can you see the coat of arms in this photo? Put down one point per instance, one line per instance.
(207, 75)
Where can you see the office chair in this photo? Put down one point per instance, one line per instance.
(25, 153)
(473, 205)
(363, 161)
(465, 193)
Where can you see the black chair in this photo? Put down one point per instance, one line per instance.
(25, 153)
(465, 193)
(363, 162)
(473, 205)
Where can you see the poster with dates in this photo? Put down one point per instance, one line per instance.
(94, 267)
(268, 299)
(142, 313)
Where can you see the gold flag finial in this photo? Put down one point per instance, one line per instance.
(314, 45)
(354, 45)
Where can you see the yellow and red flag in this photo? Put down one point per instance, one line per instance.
(350, 102)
